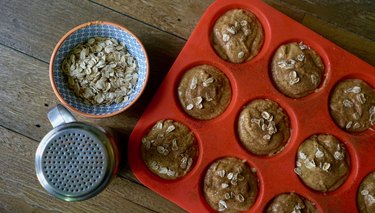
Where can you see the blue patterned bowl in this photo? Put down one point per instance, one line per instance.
(81, 34)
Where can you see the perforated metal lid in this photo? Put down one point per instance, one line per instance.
(75, 161)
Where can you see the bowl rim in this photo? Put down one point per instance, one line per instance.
(53, 56)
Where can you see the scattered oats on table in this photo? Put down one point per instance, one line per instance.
(101, 71)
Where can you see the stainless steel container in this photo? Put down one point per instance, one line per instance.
(75, 160)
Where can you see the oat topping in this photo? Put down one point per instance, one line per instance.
(303, 46)
(326, 166)
(146, 143)
(266, 123)
(226, 37)
(370, 199)
(302, 155)
(310, 164)
(208, 81)
(227, 196)
(154, 165)
(232, 30)
(221, 173)
(347, 103)
(222, 205)
(319, 153)
(364, 192)
(101, 71)
(372, 110)
(298, 163)
(159, 125)
(355, 89)
(293, 78)
(171, 128)
(349, 125)
(266, 115)
(338, 155)
(184, 161)
(230, 175)
(224, 185)
(189, 106)
(361, 98)
(356, 125)
(298, 171)
(193, 83)
(240, 198)
(300, 57)
(241, 54)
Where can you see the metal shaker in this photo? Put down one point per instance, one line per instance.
(75, 160)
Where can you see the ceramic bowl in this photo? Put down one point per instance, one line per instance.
(82, 34)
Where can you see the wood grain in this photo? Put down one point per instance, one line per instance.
(359, 46)
(37, 26)
(357, 18)
(21, 192)
(176, 17)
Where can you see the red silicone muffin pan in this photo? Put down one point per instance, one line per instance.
(218, 137)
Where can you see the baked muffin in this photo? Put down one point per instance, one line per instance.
(263, 127)
(290, 202)
(366, 194)
(230, 185)
(237, 36)
(322, 163)
(352, 105)
(297, 70)
(169, 149)
(204, 92)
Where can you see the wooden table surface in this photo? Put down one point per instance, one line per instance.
(29, 31)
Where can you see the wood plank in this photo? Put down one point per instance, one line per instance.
(20, 190)
(362, 47)
(35, 28)
(177, 17)
(357, 16)
(360, 26)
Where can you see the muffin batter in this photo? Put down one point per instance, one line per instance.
(169, 149)
(237, 36)
(366, 194)
(290, 202)
(204, 92)
(352, 105)
(230, 185)
(263, 127)
(297, 70)
(322, 163)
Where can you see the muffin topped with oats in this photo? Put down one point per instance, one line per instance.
(352, 105)
(230, 185)
(204, 92)
(169, 149)
(237, 36)
(263, 127)
(366, 194)
(296, 70)
(101, 71)
(290, 202)
(322, 163)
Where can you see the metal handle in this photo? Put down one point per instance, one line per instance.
(60, 115)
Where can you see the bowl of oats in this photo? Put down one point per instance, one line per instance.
(99, 69)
